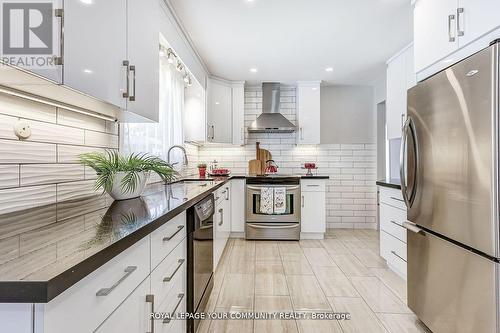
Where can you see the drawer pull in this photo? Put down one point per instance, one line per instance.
(397, 199)
(106, 291)
(396, 223)
(151, 299)
(394, 252)
(313, 185)
(180, 296)
(179, 228)
(169, 278)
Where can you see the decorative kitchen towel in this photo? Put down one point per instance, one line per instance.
(279, 200)
(266, 200)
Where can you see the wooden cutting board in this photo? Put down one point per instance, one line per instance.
(258, 165)
(255, 167)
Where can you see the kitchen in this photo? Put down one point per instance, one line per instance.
(162, 173)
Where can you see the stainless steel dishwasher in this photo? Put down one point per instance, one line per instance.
(200, 257)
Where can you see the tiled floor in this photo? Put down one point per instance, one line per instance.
(342, 273)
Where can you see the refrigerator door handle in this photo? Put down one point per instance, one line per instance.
(412, 227)
(409, 127)
(402, 161)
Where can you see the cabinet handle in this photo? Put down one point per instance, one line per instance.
(126, 63)
(301, 134)
(169, 278)
(213, 132)
(302, 201)
(393, 198)
(394, 252)
(460, 31)
(179, 228)
(221, 212)
(396, 223)
(227, 193)
(106, 291)
(312, 185)
(451, 18)
(132, 98)
(242, 133)
(167, 320)
(151, 299)
(60, 60)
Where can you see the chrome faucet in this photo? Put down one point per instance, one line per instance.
(183, 151)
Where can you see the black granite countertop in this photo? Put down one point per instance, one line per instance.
(393, 183)
(46, 250)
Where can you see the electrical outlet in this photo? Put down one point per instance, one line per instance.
(22, 129)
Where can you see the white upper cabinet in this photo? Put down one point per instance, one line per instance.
(219, 121)
(95, 47)
(142, 54)
(195, 124)
(447, 31)
(308, 112)
(400, 78)
(435, 31)
(476, 18)
(238, 106)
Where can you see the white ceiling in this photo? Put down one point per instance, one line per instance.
(291, 40)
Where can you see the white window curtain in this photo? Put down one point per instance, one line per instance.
(157, 138)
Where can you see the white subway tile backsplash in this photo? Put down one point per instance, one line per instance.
(9, 176)
(69, 154)
(7, 124)
(37, 174)
(96, 139)
(44, 169)
(47, 132)
(13, 151)
(26, 197)
(70, 118)
(75, 190)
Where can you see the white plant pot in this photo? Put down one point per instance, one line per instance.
(118, 194)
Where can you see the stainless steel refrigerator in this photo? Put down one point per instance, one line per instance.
(449, 168)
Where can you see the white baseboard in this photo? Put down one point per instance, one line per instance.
(312, 235)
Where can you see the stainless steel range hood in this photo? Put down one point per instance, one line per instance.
(271, 120)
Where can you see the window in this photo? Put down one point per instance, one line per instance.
(157, 138)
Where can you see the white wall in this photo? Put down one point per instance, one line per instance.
(347, 114)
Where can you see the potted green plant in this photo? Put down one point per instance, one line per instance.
(124, 177)
(202, 170)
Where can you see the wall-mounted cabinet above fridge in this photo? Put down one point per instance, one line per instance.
(105, 49)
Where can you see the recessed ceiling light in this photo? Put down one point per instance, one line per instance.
(87, 2)
(329, 69)
(217, 103)
(253, 70)
(87, 71)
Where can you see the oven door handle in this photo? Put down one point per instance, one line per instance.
(273, 227)
(288, 187)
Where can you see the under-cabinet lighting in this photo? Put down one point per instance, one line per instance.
(253, 70)
(329, 69)
(51, 102)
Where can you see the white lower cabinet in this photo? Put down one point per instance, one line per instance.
(313, 208)
(132, 315)
(120, 295)
(222, 222)
(238, 206)
(392, 233)
(85, 305)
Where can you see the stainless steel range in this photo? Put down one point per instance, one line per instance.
(282, 223)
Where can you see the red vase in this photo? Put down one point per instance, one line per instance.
(202, 172)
